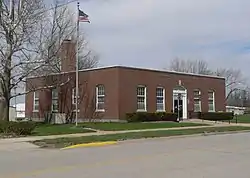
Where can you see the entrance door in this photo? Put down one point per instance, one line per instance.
(178, 105)
(180, 101)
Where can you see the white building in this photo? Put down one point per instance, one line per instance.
(236, 110)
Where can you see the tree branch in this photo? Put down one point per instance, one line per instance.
(41, 88)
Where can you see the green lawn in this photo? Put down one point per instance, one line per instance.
(113, 126)
(242, 119)
(62, 142)
(47, 129)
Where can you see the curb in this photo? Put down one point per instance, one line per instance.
(187, 136)
(94, 144)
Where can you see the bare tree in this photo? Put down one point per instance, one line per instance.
(190, 66)
(18, 26)
(233, 77)
(234, 80)
(60, 26)
(30, 40)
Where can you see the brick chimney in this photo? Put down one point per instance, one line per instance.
(68, 56)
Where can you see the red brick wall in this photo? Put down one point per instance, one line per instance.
(129, 79)
(68, 56)
(120, 91)
(87, 84)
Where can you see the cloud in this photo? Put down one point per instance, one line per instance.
(149, 33)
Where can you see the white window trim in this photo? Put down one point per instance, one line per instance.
(213, 102)
(34, 101)
(52, 99)
(164, 104)
(198, 98)
(145, 98)
(74, 99)
(97, 96)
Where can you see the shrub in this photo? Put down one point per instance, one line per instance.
(168, 116)
(17, 128)
(150, 117)
(216, 116)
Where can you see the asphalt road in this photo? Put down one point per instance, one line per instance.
(222, 156)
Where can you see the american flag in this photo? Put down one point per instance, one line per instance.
(83, 17)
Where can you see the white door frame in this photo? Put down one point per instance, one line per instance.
(184, 100)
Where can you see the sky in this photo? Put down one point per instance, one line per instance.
(150, 33)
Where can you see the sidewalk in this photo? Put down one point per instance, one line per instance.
(217, 123)
(34, 138)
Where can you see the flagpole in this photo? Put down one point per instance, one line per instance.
(77, 56)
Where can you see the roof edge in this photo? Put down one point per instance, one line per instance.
(135, 68)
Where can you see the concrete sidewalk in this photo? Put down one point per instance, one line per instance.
(34, 138)
(217, 123)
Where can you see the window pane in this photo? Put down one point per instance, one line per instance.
(197, 108)
(36, 94)
(54, 93)
(141, 91)
(159, 100)
(197, 105)
(54, 101)
(36, 107)
(210, 95)
(100, 106)
(159, 92)
(159, 107)
(54, 107)
(140, 99)
(100, 99)
(196, 101)
(141, 106)
(197, 94)
(211, 107)
(54, 104)
(100, 90)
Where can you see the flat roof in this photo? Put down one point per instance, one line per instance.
(134, 68)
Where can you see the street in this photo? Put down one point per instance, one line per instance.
(222, 156)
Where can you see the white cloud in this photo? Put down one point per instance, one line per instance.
(151, 32)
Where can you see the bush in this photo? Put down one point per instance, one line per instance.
(17, 128)
(216, 116)
(150, 117)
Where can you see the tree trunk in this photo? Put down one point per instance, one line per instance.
(1, 110)
(4, 110)
(1, 103)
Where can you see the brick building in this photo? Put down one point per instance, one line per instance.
(111, 92)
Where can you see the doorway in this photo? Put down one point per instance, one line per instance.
(180, 102)
(178, 105)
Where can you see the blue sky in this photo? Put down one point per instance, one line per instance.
(149, 33)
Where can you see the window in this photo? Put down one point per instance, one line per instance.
(36, 101)
(54, 105)
(141, 98)
(100, 98)
(211, 104)
(197, 101)
(160, 99)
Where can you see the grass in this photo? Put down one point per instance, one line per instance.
(48, 129)
(62, 142)
(242, 119)
(113, 126)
